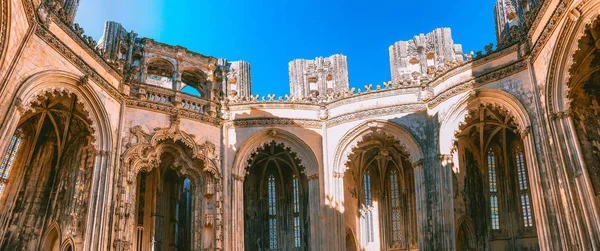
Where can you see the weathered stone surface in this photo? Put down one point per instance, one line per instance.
(133, 144)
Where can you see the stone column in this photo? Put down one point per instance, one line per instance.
(98, 208)
(237, 213)
(177, 77)
(420, 203)
(338, 229)
(313, 209)
(581, 213)
(434, 202)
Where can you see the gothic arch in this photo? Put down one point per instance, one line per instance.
(495, 97)
(570, 108)
(51, 239)
(464, 223)
(559, 73)
(351, 240)
(297, 145)
(144, 154)
(308, 161)
(66, 83)
(523, 123)
(350, 139)
(68, 243)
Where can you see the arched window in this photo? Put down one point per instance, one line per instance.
(395, 203)
(523, 188)
(296, 205)
(369, 206)
(272, 213)
(493, 190)
(278, 218)
(9, 158)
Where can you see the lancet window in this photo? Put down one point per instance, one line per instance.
(494, 211)
(523, 188)
(368, 207)
(278, 219)
(395, 207)
(9, 158)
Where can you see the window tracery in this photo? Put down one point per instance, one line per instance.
(368, 207)
(297, 241)
(9, 158)
(277, 220)
(493, 190)
(395, 207)
(523, 188)
(272, 213)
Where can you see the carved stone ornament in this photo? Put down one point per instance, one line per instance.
(198, 162)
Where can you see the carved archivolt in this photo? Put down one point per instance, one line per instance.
(305, 153)
(198, 162)
(567, 43)
(500, 100)
(350, 141)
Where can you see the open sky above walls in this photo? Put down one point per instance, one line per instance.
(270, 33)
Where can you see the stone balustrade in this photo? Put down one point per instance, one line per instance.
(156, 94)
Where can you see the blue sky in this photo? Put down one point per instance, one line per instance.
(270, 33)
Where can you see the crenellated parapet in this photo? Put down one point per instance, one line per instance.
(318, 77)
(420, 58)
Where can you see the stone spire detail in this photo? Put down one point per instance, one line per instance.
(114, 34)
(509, 14)
(118, 46)
(318, 77)
(70, 10)
(238, 80)
(423, 55)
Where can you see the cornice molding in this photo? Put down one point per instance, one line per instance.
(373, 95)
(61, 48)
(306, 123)
(274, 105)
(370, 113)
(478, 81)
(91, 51)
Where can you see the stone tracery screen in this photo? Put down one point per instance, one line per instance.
(9, 158)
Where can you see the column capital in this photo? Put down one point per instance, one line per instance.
(238, 177)
(417, 164)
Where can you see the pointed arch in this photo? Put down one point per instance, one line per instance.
(53, 81)
(196, 162)
(559, 73)
(51, 238)
(305, 153)
(464, 226)
(460, 111)
(68, 245)
(350, 139)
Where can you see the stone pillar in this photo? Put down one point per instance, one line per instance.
(421, 203)
(434, 202)
(237, 213)
(581, 213)
(313, 208)
(177, 77)
(98, 209)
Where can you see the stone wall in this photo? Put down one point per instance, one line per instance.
(136, 124)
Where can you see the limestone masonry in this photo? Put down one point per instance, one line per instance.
(128, 143)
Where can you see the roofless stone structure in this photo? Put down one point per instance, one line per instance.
(132, 144)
